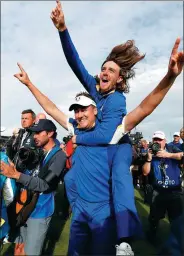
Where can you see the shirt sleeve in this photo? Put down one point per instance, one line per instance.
(113, 113)
(33, 183)
(71, 54)
(58, 163)
(40, 185)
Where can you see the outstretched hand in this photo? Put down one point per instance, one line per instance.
(57, 16)
(176, 61)
(22, 76)
(9, 170)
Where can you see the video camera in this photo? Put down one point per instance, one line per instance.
(28, 158)
(155, 147)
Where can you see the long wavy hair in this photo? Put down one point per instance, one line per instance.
(125, 56)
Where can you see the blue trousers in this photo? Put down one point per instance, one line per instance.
(70, 186)
(127, 219)
(123, 210)
(93, 229)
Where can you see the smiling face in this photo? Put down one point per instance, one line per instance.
(109, 76)
(85, 116)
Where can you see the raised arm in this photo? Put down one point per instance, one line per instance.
(49, 107)
(87, 80)
(157, 95)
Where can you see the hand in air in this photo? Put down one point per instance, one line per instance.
(22, 76)
(57, 16)
(176, 61)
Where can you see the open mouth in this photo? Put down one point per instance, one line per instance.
(104, 80)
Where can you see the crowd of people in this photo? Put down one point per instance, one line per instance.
(98, 159)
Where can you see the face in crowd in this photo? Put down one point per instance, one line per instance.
(42, 138)
(182, 133)
(109, 76)
(162, 142)
(85, 116)
(176, 138)
(40, 116)
(144, 144)
(27, 120)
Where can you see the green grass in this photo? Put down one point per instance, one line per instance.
(57, 240)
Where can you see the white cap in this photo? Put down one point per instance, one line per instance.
(159, 135)
(176, 134)
(82, 101)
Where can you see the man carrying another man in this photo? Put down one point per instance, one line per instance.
(93, 211)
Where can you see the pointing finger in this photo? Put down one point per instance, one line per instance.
(21, 68)
(176, 46)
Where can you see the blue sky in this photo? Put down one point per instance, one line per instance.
(29, 37)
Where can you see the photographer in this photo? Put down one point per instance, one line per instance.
(21, 140)
(163, 165)
(43, 182)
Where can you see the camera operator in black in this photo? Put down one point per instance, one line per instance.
(164, 169)
(21, 140)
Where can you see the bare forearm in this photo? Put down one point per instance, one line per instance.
(157, 95)
(49, 107)
(148, 105)
(146, 168)
(176, 156)
(46, 104)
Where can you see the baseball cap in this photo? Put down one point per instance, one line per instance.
(43, 125)
(176, 134)
(159, 135)
(82, 101)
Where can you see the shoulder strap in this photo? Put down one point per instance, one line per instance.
(51, 154)
(45, 165)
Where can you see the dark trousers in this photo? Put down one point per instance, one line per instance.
(165, 201)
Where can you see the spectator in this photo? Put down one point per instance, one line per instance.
(44, 182)
(175, 243)
(182, 137)
(176, 141)
(40, 116)
(166, 182)
(43, 116)
(143, 146)
(21, 137)
(7, 192)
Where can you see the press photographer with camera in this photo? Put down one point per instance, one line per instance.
(163, 164)
(21, 148)
(35, 215)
